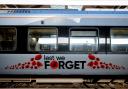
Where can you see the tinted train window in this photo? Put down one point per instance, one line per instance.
(42, 39)
(7, 39)
(83, 40)
(119, 40)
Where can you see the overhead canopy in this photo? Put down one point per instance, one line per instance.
(65, 2)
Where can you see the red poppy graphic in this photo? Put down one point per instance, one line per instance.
(33, 63)
(39, 64)
(90, 64)
(54, 64)
(91, 56)
(97, 63)
(38, 57)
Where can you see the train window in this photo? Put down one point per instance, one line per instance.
(83, 40)
(42, 39)
(7, 39)
(119, 40)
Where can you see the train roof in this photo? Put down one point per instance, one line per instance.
(62, 11)
(63, 17)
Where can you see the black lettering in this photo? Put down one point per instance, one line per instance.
(76, 65)
(52, 57)
(48, 57)
(44, 57)
(83, 64)
(60, 58)
(69, 64)
(61, 65)
(46, 64)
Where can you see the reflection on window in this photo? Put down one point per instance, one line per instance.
(119, 40)
(42, 39)
(83, 42)
(7, 39)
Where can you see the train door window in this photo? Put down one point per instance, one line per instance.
(83, 40)
(7, 39)
(119, 40)
(42, 39)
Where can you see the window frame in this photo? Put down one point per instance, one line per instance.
(85, 29)
(43, 28)
(115, 28)
(14, 28)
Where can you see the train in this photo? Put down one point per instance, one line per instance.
(58, 42)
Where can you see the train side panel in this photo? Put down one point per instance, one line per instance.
(64, 64)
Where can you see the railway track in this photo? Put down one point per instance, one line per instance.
(63, 83)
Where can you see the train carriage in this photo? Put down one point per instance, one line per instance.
(40, 42)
